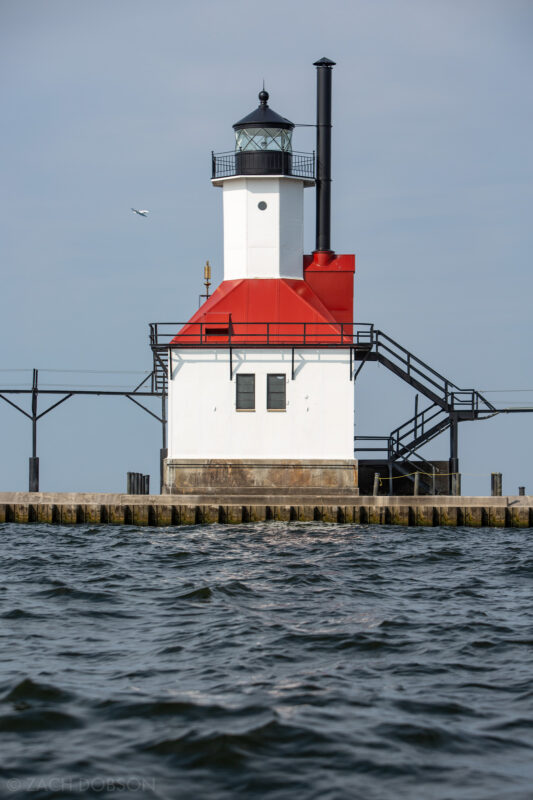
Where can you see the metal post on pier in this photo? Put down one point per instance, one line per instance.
(163, 453)
(34, 461)
(455, 478)
(496, 484)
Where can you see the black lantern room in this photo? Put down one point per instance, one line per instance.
(263, 142)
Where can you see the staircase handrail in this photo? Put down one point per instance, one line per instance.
(416, 425)
(451, 399)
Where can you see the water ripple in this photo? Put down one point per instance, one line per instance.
(271, 660)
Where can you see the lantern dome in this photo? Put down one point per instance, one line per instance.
(263, 140)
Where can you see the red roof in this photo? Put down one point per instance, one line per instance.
(253, 309)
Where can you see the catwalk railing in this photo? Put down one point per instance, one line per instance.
(230, 334)
(365, 342)
(295, 164)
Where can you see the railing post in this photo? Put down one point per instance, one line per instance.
(375, 488)
(416, 489)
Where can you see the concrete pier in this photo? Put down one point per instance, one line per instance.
(167, 510)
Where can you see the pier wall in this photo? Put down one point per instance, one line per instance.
(167, 510)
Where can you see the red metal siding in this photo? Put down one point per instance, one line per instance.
(331, 278)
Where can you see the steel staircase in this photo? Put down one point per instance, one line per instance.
(448, 403)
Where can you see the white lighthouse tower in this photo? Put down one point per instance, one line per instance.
(260, 390)
(263, 200)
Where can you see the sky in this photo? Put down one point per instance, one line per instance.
(109, 105)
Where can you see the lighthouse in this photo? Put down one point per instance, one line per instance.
(260, 378)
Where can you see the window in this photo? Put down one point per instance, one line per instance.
(263, 139)
(245, 392)
(276, 396)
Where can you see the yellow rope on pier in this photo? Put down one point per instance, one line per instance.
(436, 474)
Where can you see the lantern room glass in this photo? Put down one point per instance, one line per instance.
(259, 139)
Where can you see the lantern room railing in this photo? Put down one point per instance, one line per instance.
(297, 165)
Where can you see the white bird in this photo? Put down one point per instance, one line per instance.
(142, 212)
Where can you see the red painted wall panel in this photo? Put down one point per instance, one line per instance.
(331, 278)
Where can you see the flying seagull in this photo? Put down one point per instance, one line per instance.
(141, 213)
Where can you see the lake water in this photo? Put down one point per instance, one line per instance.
(272, 660)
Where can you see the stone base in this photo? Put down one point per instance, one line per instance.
(228, 477)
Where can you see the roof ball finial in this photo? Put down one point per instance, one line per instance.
(263, 96)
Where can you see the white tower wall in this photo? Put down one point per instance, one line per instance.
(263, 243)
(204, 422)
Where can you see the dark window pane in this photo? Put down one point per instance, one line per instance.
(276, 392)
(245, 391)
(246, 383)
(245, 400)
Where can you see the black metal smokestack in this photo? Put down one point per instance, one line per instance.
(324, 69)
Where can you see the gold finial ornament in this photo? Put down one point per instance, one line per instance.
(207, 281)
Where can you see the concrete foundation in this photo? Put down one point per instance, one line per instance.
(319, 478)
